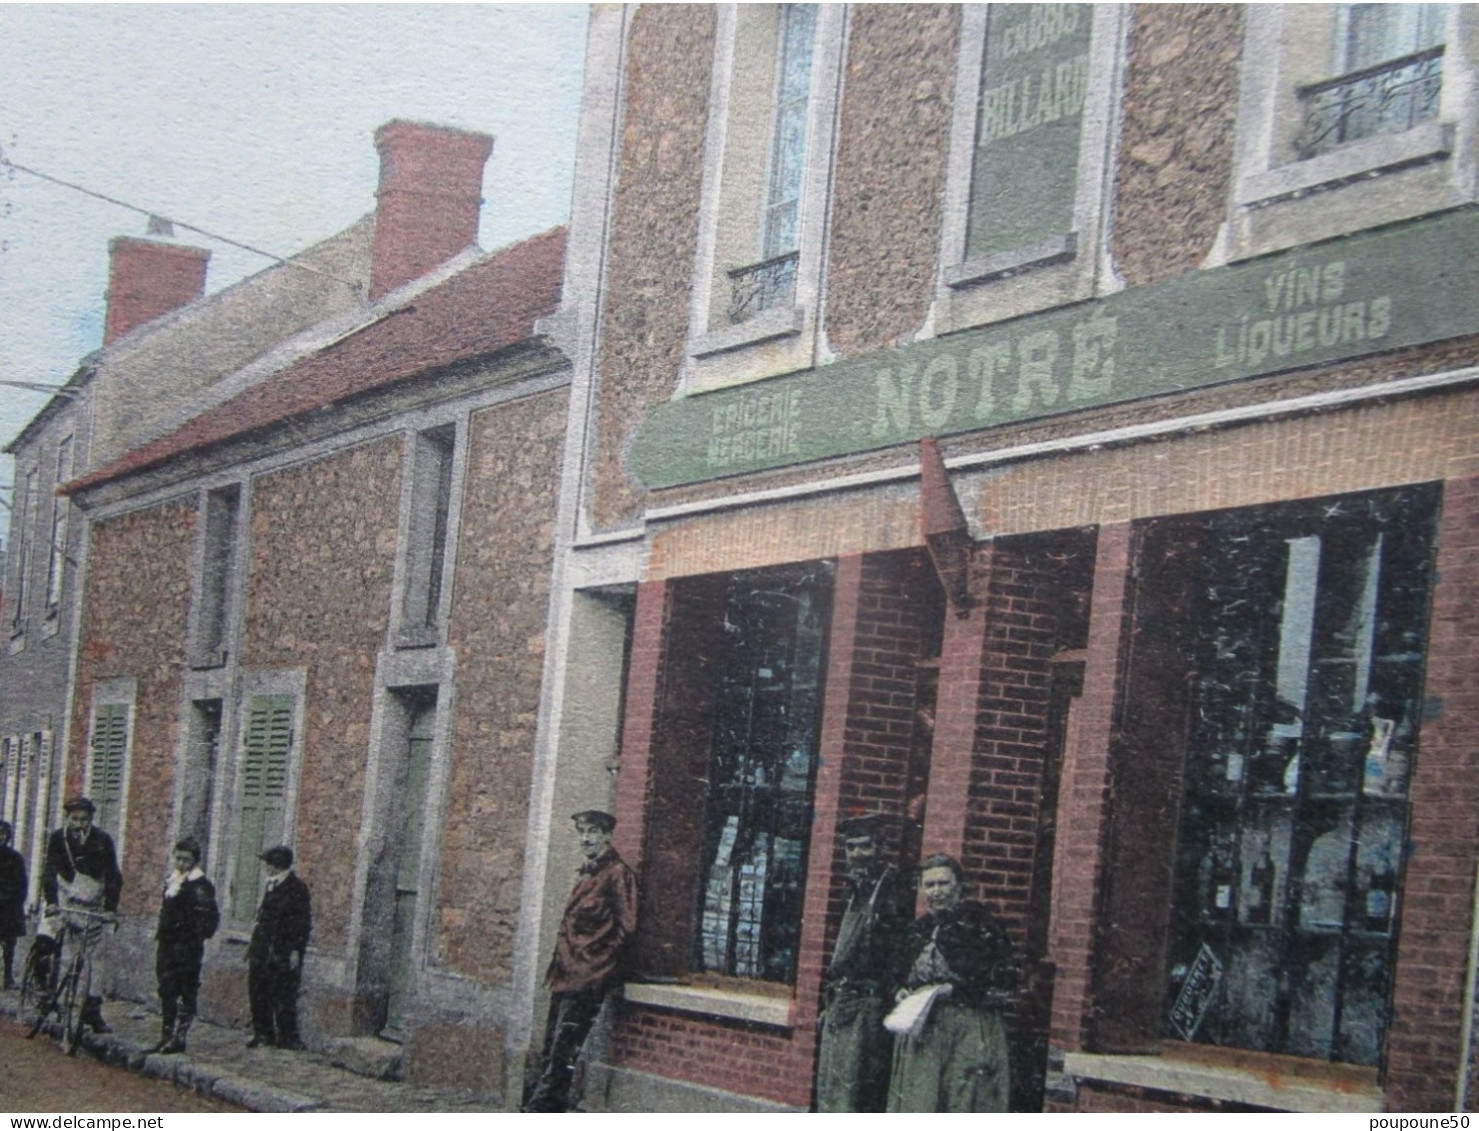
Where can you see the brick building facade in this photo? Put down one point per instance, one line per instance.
(1079, 464)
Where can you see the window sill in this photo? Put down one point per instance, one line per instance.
(1059, 249)
(1270, 1088)
(425, 636)
(1371, 156)
(768, 325)
(715, 1003)
(208, 661)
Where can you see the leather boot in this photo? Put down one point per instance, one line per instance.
(166, 1034)
(176, 1042)
(92, 1015)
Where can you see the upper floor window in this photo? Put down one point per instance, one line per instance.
(1034, 76)
(432, 473)
(57, 567)
(773, 280)
(1035, 87)
(25, 521)
(217, 574)
(1350, 116)
(766, 162)
(1388, 74)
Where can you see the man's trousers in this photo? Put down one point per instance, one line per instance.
(571, 1017)
(273, 991)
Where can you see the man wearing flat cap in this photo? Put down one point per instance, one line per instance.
(855, 1049)
(80, 874)
(275, 954)
(590, 956)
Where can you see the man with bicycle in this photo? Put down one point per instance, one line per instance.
(80, 875)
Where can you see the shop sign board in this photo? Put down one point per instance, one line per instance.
(1343, 299)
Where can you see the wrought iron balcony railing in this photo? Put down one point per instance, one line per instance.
(761, 286)
(1385, 98)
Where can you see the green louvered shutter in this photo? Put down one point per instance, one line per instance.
(105, 775)
(264, 788)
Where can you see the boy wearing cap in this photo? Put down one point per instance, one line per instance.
(590, 952)
(275, 954)
(81, 871)
(188, 916)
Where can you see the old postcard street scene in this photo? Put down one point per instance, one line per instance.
(942, 577)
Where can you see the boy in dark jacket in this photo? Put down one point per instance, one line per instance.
(187, 917)
(275, 954)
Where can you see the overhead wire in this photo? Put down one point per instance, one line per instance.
(155, 216)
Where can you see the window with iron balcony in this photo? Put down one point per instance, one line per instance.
(1351, 116)
(767, 154)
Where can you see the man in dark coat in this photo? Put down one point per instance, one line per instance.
(275, 954)
(188, 916)
(12, 901)
(855, 1049)
(957, 975)
(81, 873)
(590, 956)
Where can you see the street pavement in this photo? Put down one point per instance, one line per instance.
(218, 1064)
(38, 1078)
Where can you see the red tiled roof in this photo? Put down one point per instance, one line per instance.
(486, 307)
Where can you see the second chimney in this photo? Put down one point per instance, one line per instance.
(429, 200)
(147, 279)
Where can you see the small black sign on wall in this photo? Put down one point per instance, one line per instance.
(1197, 992)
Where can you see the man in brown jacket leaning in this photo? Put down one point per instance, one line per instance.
(589, 957)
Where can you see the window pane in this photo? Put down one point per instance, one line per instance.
(788, 133)
(762, 759)
(1307, 635)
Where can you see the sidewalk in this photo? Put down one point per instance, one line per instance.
(220, 1065)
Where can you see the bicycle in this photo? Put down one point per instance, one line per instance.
(65, 992)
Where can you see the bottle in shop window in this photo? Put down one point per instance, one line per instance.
(1381, 891)
(1260, 898)
(1220, 900)
(1397, 757)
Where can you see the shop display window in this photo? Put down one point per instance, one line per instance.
(735, 757)
(1303, 632)
(762, 765)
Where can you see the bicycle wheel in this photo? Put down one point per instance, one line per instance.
(30, 984)
(38, 984)
(74, 1002)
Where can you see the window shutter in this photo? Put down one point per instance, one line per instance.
(264, 781)
(105, 775)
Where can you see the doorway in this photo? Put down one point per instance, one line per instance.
(392, 895)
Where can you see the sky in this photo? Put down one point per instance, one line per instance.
(255, 122)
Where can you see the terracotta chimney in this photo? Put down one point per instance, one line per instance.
(431, 181)
(147, 279)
